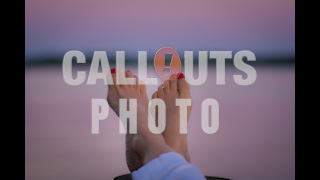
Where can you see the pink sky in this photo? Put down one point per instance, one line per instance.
(265, 27)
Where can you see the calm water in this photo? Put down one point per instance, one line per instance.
(255, 139)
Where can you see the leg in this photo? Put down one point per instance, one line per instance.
(177, 88)
(143, 146)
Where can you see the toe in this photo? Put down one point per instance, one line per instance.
(110, 80)
(160, 91)
(121, 77)
(142, 87)
(137, 86)
(113, 76)
(130, 78)
(129, 74)
(173, 83)
(183, 86)
(155, 95)
(166, 86)
(113, 70)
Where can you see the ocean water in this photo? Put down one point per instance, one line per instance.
(255, 139)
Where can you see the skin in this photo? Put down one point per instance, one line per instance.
(145, 146)
(175, 89)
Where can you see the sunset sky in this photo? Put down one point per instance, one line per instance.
(256, 133)
(265, 27)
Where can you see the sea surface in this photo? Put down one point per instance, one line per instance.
(255, 139)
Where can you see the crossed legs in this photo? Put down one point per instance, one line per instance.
(145, 146)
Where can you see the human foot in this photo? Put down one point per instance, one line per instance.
(138, 92)
(143, 146)
(175, 89)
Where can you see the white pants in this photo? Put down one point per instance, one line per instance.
(166, 167)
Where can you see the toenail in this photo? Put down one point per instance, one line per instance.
(128, 71)
(173, 77)
(180, 76)
(113, 70)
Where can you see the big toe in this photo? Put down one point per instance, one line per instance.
(173, 83)
(183, 85)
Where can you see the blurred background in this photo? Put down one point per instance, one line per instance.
(256, 137)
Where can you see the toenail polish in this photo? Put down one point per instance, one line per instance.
(181, 75)
(128, 71)
(113, 70)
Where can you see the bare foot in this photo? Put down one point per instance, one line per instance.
(175, 89)
(138, 92)
(143, 146)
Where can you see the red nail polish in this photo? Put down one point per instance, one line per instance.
(113, 70)
(128, 71)
(134, 76)
(181, 75)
